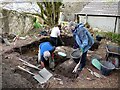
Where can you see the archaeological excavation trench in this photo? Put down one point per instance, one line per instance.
(64, 65)
(14, 77)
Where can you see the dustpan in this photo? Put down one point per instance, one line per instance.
(40, 78)
(46, 74)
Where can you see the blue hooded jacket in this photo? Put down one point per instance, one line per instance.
(83, 37)
(45, 46)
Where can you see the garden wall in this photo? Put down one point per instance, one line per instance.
(15, 22)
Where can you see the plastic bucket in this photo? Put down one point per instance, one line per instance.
(106, 68)
(96, 63)
(76, 55)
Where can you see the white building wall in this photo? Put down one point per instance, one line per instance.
(82, 19)
(102, 23)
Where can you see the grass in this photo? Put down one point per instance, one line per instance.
(114, 37)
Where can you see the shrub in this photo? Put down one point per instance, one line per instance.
(114, 37)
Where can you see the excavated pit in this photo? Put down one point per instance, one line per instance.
(64, 65)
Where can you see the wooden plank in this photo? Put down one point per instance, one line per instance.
(28, 64)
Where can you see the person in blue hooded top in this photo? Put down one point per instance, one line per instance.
(45, 53)
(83, 40)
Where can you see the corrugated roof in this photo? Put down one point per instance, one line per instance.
(101, 8)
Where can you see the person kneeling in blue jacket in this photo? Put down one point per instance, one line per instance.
(83, 39)
(45, 54)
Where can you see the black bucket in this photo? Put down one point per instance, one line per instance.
(76, 55)
(106, 68)
(76, 60)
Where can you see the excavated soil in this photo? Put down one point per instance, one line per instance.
(12, 77)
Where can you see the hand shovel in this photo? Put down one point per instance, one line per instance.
(94, 73)
(76, 67)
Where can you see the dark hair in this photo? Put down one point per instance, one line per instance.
(59, 26)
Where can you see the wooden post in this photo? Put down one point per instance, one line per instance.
(77, 18)
(115, 25)
(86, 18)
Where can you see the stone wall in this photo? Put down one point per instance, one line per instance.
(15, 22)
(1, 23)
(18, 23)
(70, 8)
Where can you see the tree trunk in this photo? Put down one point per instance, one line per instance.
(50, 10)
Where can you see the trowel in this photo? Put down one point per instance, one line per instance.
(95, 73)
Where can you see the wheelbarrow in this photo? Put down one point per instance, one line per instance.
(112, 51)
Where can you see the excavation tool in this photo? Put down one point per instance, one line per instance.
(38, 77)
(28, 64)
(95, 73)
(76, 67)
(43, 74)
(42, 77)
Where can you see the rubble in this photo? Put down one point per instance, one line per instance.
(61, 82)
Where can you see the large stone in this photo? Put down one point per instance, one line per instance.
(66, 68)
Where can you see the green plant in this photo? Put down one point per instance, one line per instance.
(36, 24)
(114, 37)
(108, 35)
(49, 12)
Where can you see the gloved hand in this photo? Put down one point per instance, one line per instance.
(63, 43)
(82, 50)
